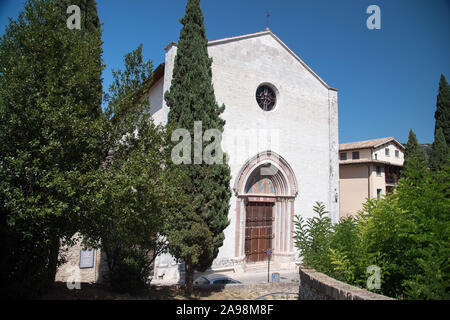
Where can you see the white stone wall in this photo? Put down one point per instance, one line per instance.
(334, 157)
(299, 124)
(303, 127)
(156, 98)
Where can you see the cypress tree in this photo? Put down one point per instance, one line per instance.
(196, 231)
(50, 128)
(415, 158)
(440, 153)
(442, 114)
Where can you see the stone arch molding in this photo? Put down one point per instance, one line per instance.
(270, 164)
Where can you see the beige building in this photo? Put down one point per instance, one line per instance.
(367, 169)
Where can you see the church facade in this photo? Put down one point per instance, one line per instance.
(281, 137)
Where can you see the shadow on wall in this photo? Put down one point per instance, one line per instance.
(80, 265)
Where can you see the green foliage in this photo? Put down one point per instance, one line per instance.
(406, 234)
(132, 271)
(440, 155)
(332, 249)
(191, 96)
(50, 128)
(415, 158)
(427, 148)
(348, 253)
(383, 236)
(427, 231)
(66, 166)
(196, 230)
(432, 282)
(442, 114)
(131, 193)
(342, 267)
(313, 238)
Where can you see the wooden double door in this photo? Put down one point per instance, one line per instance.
(258, 230)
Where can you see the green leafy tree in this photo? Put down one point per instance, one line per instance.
(386, 240)
(440, 154)
(432, 280)
(427, 233)
(406, 234)
(348, 253)
(313, 238)
(132, 191)
(442, 114)
(197, 231)
(50, 132)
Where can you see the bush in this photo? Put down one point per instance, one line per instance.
(131, 272)
(313, 239)
(348, 256)
(406, 234)
(335, 250)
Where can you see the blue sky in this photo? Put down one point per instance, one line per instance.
(387, 79)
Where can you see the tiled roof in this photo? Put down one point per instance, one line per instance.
(368, 144)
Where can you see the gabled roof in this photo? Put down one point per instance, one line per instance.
(259, 34)
(369, 144)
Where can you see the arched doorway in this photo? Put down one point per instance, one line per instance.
(259, 217)
(265, 188)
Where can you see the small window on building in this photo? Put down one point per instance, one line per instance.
(397, 154)
(266, 97)
(387, 152)
(355, 155)
(378, 169)
(376, 156)
(343, 156)
(379, 193)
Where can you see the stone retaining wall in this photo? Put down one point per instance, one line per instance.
(318, 286)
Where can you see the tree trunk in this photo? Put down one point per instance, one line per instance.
(189, 279)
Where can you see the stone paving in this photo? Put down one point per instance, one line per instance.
(254, 284)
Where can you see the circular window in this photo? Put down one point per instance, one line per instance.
(266, 97)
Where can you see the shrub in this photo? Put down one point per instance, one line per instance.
(349, 257)
(131, 272)
(332, 249)
(406, 234)
(313, 239)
